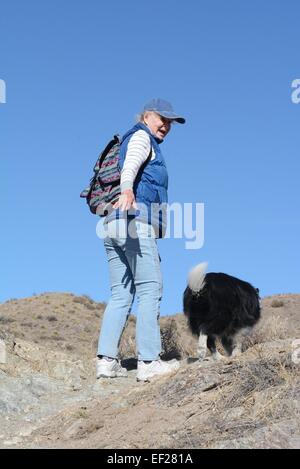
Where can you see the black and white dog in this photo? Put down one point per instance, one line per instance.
(219, 305)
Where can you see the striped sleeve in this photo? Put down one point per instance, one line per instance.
(138, 150)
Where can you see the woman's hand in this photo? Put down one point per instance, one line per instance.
(126, 200)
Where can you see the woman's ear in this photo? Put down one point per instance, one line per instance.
(145, 118)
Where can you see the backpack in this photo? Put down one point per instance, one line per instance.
(104, 188)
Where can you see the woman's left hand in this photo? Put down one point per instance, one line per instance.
(126, 201)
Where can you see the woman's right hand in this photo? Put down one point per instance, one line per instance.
(126, 200)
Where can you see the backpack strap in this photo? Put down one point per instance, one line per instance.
(114, 141)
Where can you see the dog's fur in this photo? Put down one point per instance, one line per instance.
(219, 305)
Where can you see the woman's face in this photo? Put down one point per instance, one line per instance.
(159, 125)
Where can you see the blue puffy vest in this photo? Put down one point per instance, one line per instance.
(150, 186)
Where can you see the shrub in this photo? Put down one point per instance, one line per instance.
(170, 341)
(52, 318)
(6, 320)
(27, 324)
(277, 303)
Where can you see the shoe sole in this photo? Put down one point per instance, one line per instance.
(115, 375)
(156, 376)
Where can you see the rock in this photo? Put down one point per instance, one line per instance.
(234, 413)
(27, 431)
(14, 441)
(53, 363)
(70, 372)
(73, 429)
(27, 351)
(21, 394)
(2, 352)
(8, 339)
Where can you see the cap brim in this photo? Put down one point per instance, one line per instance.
(173, 116)
(169, 115)
(180, 120)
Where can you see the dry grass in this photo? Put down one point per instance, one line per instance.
(272, 327)
(258, 392)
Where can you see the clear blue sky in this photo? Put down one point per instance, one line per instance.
(78, 71)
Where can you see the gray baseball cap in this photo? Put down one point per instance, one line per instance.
(163, 108)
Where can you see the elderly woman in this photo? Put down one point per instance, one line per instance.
(130, 243)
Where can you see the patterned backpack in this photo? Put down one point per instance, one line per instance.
(104, 188)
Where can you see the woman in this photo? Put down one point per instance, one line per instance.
(132, 229)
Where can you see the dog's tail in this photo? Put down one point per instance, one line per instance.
(196, 277)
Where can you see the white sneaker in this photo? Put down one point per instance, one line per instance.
(147, 371)
(110, 368)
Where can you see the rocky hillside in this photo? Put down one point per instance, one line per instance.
(49, 396)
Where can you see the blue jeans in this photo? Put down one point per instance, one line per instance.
(134, 268)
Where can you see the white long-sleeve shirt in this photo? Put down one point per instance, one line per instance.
(138, 150)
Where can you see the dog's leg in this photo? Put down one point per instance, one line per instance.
(227, 342)
(202, 346)
(237, 349)
(211, 345)
(239, 340)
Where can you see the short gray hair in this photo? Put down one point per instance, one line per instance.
(140, 117)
